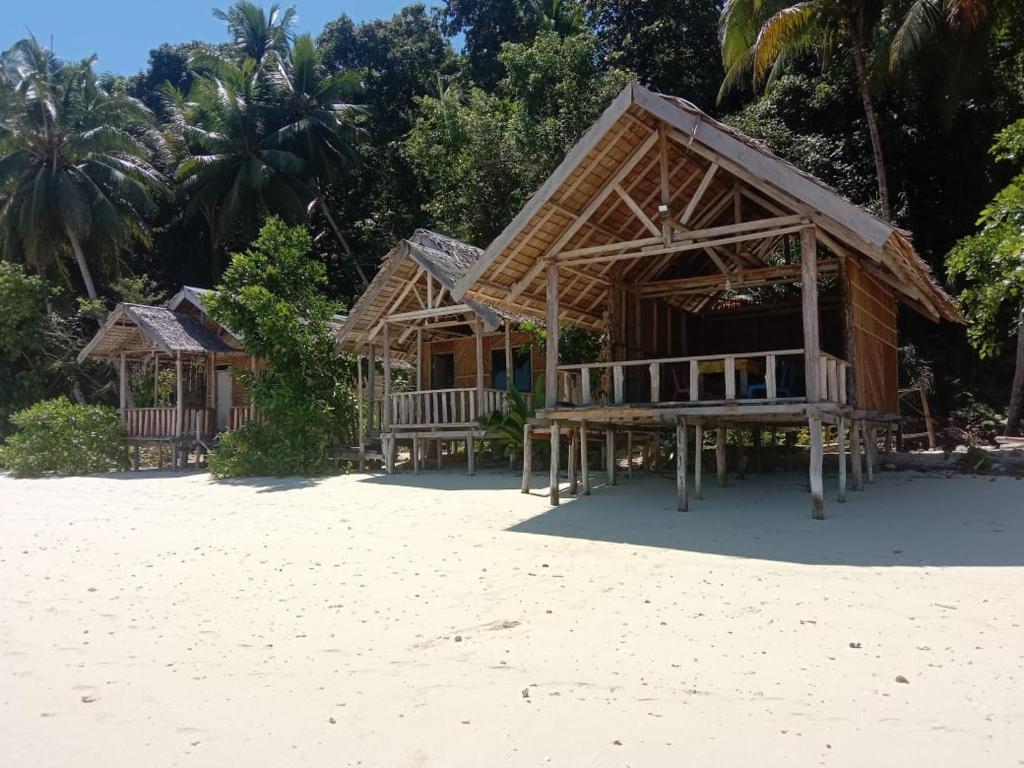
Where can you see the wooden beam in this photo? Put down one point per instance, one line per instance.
(595, 202)
(742, 278)
(699, 193)
(551, 345)
(637, 211)
(809, 307)
(385, 406)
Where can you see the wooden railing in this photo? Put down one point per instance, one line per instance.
(239, 415)
(163, 421)
(445, 407)
(744, 376)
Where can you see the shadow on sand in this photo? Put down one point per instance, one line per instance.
(904, 519)
(262, 484)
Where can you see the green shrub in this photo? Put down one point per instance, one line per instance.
(65, 438)
(256, 450)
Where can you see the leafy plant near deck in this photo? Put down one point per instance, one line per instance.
(272, 297)
(65, 438)
(508, 427)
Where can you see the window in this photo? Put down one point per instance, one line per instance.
(442, 371)
(522, 378)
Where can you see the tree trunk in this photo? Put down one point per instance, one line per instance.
(1013, 415)
(860, 62)
(83, 265)
(342, 240)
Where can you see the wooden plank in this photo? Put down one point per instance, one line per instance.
(841, 451)
(698, 457)
(682, 496)
(609, 437)
(730, 377)
(527, 456)
(551, 344)
(809, 310)
(553, 474)
(655, 375)
(699, 193)
(694, 381)
(770, 384)
(584, 459)
(574, 447)
(618, 378)
(815, 471)
(637, 211)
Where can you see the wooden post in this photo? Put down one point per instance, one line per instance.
(470, 455)
(478, 338)
(527, 456)
(440, 458)
(723, 478)
(856, 468)
(415, 454)
(698, 454)
(741, 453)
(385, 420)
(574, 447)
(929, 422)
(817, 458)
(124, 391)
(179, 415)
(841, 451)
(551, 346)
(156, 379)
(871, 454)
(419, 359)
(553, 477)
(509, 370)
(681, 490)
(252, 403)
(360, 415)
(371, 389)
(609, 440)
(584, 459)
(809, 305)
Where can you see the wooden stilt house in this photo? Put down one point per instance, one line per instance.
(175, 369)
(456, 360)
(735, 291)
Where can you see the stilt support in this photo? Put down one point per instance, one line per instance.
(584, 459)
(556, 444)
(681, 462)
(527, 456)
(723, 479)
(817, 458)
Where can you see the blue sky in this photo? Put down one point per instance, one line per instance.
(121, 32)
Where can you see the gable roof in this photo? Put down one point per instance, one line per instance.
(396, 289)
(580, 205)
(141, 327)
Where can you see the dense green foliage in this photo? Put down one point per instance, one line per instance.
(272, 295)
(988, 266)
(367, 131)
(480, 154)
(66, 438)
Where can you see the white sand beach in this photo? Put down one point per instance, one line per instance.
(155, 619)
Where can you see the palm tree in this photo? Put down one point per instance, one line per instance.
(759, 37)
(925, 20)
(236, 171)
(558, 16)
(74, 170)
(259, 35)
(318, 126)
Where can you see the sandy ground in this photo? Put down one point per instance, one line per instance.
(160, 620)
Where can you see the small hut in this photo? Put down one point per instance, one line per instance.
(175, 368)
(736, 292)
(464, 356)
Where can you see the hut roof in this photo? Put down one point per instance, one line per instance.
(142, 328)
(610, 187)
(400, 286)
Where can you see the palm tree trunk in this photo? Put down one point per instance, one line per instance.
(83, 265)
(342, 240)
(860, 63)
(1013, 415)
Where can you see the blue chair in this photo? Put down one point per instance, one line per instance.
(785, 375)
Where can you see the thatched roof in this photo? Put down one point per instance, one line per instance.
(609, 190)
(140, 329)
(400, 286)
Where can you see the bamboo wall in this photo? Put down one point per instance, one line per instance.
(873, 330)
(464, 350)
